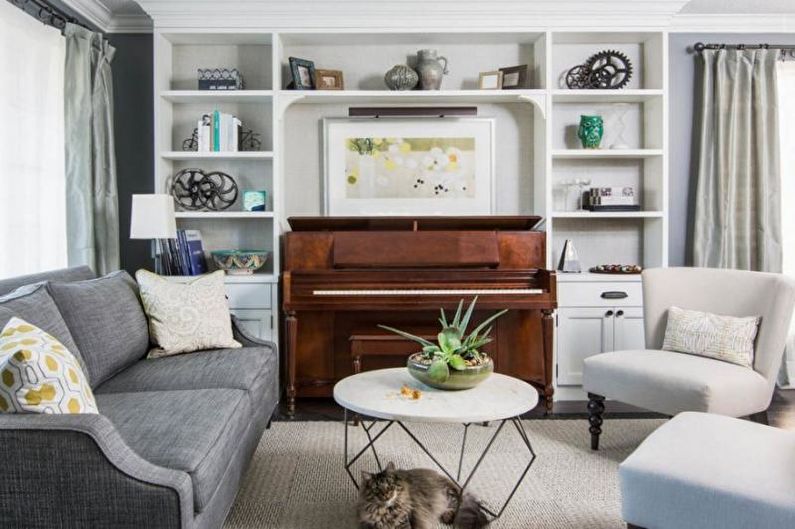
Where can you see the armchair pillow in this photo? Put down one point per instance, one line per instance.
(186, 317)
(726, 338)
(39, 375)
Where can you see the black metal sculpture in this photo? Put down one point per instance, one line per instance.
(608, 69)
(193, 190)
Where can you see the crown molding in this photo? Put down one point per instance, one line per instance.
(101, 17)
(733, 23)
(413, 14)
(123, 23)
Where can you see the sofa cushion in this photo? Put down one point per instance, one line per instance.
(196, 431)
(668, 382)
(77, 273)
(107, 321)
(253, 369)
(706, 471)
(34, 304)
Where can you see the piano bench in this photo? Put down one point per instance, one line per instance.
(374, 341)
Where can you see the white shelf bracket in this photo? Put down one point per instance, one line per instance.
(285, 101)
(535, 102)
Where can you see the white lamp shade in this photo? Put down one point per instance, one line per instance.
(153, 217)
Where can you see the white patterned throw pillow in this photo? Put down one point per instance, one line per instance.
(726, 338)
(186, 317)
(39, 375)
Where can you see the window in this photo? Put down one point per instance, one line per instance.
(32, 182)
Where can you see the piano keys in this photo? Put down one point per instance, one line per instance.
(343, 274)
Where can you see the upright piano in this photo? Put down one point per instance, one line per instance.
(347, 273)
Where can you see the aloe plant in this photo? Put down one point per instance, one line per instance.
(455, 347)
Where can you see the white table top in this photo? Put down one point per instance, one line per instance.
(377, 394)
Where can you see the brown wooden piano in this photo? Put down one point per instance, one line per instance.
(343, 274)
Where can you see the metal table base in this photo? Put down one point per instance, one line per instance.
(372, 437)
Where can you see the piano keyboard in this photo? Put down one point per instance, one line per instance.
(433, 292)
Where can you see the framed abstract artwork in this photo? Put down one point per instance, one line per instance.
(408, 166)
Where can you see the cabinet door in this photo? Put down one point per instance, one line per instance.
(259, 322)
(582, 332)
(628, 329)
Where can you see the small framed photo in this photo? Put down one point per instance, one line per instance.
(329, 80)
(303, 72)
(491, 80)
(514, 77)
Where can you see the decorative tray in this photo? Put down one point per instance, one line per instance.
(616, 269)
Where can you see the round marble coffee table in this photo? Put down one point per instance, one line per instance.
(376, 394)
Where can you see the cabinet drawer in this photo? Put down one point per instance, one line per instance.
(249, 296)
(600, 294)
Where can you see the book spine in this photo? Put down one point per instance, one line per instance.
(238, 125)
(216, 131)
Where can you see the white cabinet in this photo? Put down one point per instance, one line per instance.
(259, 322)
(593, 318)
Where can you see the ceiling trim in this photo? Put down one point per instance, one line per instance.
(425, 14)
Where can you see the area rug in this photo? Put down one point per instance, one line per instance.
(297, 479)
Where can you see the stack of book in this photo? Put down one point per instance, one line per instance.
(184, 256)
(612, 199)
(219, 132)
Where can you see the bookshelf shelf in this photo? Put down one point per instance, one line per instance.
(211, 96)
(240, 155)
(607, 215)
(638, 95)
(534, 96)
(564, 154)
(224, 214)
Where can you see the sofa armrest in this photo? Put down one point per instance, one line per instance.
(246, 338)
(75, 471)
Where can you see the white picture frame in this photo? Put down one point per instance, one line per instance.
(408, 166)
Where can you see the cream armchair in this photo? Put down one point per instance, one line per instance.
(668, 382)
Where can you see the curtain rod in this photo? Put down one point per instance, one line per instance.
(47, 13)
(700, 46)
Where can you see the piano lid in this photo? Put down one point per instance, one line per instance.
(405, 223)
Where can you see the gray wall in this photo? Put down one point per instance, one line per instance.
(682, 102)
(134, 134)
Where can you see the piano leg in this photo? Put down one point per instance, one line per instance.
(292, 346)
(548, 330)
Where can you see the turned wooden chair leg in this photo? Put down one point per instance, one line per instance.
(760, 417)
(596, 407)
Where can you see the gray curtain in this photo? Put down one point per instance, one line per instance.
(738, 205)
(738, 201)
(92, 211)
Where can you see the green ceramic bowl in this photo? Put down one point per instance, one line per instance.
(466, 379)
(240, 262)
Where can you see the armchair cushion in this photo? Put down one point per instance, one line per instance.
(194, 431)
(702, 471)
(107, 321)
(669, 382)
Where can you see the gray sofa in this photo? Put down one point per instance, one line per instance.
(173, 437)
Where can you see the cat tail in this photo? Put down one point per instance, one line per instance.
(470, 515)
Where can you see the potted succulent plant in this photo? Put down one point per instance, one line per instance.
(456, 361)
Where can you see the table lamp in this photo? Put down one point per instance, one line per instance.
(153, 218)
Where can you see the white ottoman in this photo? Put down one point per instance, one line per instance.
(701, 471)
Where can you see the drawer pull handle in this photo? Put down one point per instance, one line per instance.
(614, 294)
(620, 313)
(608, 313)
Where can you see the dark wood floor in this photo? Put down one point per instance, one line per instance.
(780, 414)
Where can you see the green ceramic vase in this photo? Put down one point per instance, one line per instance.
(590, 132)
(466, 379)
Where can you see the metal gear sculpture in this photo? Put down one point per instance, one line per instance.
(608, 69)
(193, 190)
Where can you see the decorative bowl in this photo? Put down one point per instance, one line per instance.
(240, 262)
(466, 379)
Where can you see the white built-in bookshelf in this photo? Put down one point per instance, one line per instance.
(536, 149)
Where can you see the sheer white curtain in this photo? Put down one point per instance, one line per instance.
(32, 182)
(785, 74)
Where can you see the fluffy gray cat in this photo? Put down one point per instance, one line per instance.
(415, 499)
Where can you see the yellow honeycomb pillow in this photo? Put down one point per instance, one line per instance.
(39, 375)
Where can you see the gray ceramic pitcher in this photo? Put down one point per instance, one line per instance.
(430, 69)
